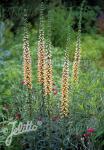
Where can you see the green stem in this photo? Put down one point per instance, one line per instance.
(29, 103)
(49, 116)
(42, 104)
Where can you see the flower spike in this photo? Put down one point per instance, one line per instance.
(27, 58)
(41, 49)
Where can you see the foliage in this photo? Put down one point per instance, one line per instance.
(61, 19)
(86, 111)
(89, 20)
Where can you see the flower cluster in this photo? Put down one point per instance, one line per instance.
(27, 62)
(78, 47)
(48, 70)
(41, 58)
(65, 89)
(76, 65)
(89, 132)
(41, 50)
(44, 58)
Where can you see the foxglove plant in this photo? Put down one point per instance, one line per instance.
(76, 63)
(65, 89)
(48, 69)
(65, 82)
(27, 59)
(41, 49)
(48, 78)
(27, 65)
(42, 61)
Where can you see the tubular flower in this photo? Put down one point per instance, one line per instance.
(41, 51)
(65, 88)
(41, 58)
(76, 65)
(27, 62)
(48, 71)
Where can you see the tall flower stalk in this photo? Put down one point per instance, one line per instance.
(65, 83)
(41, 61)
(27, 67)
(48, 69)
(41, 49)
(76, 63)
(27, 58)
(65, 90)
